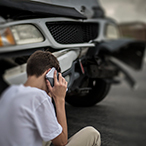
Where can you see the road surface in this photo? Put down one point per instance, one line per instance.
(120, 117)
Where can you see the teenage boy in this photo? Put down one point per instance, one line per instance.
(27, 115)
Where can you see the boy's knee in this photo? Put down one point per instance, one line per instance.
(92, 131)
(87, 136)
(93, 135)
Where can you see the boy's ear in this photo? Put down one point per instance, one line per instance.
(47, 70)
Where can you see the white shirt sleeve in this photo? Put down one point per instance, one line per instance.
(46, 121)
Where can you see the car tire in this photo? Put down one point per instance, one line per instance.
(99, 90)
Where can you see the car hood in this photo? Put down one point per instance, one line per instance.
(80, 9)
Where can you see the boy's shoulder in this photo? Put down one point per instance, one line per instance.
(25, 95)
(27, 91)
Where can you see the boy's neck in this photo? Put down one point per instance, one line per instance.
(38, 82)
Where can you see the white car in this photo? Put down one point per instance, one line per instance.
(85, 42)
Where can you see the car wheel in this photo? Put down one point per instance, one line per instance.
(99, 90)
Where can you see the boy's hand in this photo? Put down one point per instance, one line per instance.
(59, 90)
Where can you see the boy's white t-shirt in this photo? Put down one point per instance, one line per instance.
(27, 117)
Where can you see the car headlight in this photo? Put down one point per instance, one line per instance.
(6, 37)
(20, 34)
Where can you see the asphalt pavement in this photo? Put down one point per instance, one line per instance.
(120, 117)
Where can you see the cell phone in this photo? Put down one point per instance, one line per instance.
(50, 76)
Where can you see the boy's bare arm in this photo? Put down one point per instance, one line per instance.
(58, 93)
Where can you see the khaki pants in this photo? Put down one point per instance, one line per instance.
(88, 136)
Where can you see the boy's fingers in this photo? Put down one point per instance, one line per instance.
(64, 81)
(60, 78)
(55, 77)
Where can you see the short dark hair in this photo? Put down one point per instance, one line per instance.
(40, 61)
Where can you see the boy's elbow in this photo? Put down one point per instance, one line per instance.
(63, 144)
(60, 142)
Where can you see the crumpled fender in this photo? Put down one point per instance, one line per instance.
(129, 51)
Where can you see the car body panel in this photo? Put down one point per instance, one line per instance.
(39, 13)
(129, 51)
(17, 75)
